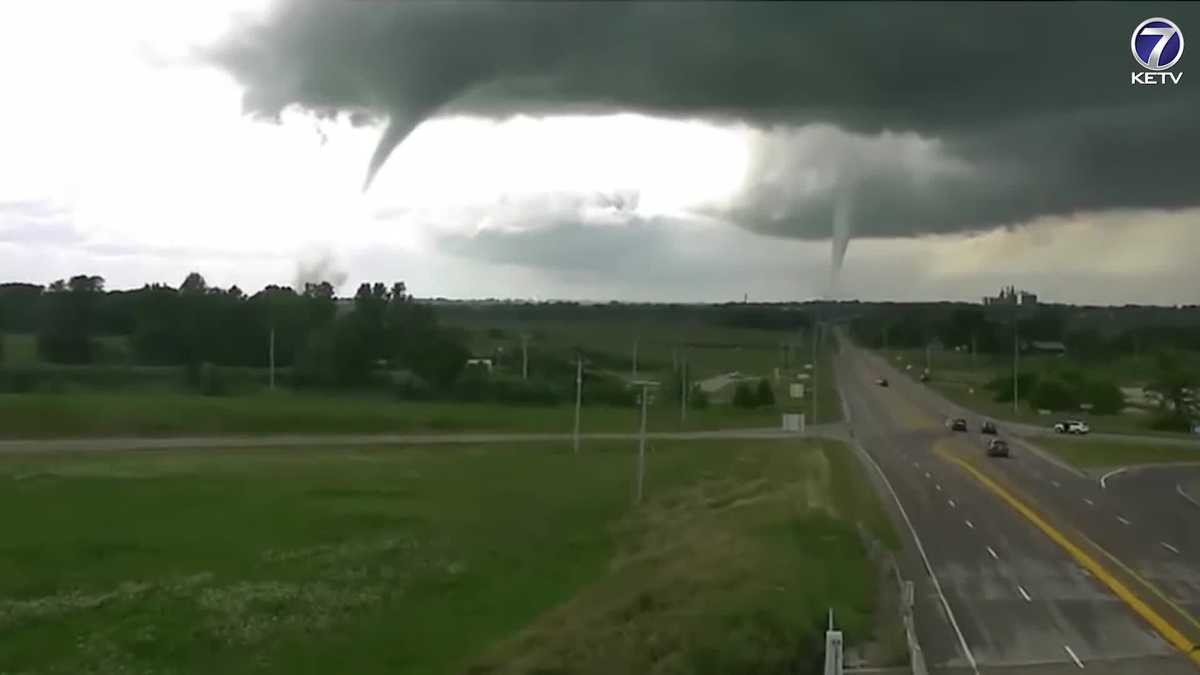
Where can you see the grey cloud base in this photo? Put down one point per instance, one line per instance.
(936, 118)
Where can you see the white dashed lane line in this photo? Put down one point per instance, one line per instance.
(1074, 658)
(1056, 483)
(992, 553)
(1169, 547)
(1123, 520)
(969, 524)
(1088, 502)
(952, 504)
(1024, 594)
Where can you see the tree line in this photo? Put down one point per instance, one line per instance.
(197, 324)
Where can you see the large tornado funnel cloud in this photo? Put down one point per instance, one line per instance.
(842, 207)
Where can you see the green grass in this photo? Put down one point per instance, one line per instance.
(20, 349)
(1090, 453)
(433, 560)
(81, 415)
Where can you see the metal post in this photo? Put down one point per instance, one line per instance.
(578, 397)
(641, 461)
(272, 368)
(928, 356)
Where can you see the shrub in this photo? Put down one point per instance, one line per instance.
(1001, 386)
(698, 398)
(1170, 422)
(765, 395)
(602, 390)
(1106, 397)
(1053, 395)
(743, 396)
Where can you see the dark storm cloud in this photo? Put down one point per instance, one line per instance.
(1028, 107)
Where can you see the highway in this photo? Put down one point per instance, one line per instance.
(1022, 579)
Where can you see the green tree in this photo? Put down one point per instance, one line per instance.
(1053, 395)
(67, 330)
(743, 396)
(765, 394)
(1175, 382)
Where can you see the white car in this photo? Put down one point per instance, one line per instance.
(1072, 427)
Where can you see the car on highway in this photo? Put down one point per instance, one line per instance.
(957, 424)
(997, 447)
(881, 381)
(988, 427)
(1072, 427)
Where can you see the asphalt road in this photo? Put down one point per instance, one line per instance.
(1003, 596)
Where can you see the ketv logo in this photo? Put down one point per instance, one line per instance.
(1157, 44)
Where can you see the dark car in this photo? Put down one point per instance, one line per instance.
(959, 424)
(988, 427)
(997, 447)
(881, 381)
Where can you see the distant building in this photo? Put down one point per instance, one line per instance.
(1047, 347)
(481, 363)
(1011, 296)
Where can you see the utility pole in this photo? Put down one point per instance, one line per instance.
(272, 359)
(524, 356)
(578, 396)
(641, 458)
(928, 356)
(815, 337)
(973, 349)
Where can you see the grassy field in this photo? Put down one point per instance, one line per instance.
(481, 559)
(79, 415)
(1085, 453)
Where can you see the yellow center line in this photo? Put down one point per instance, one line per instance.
(1118, 588)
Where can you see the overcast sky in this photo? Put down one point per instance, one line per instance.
(674, 152)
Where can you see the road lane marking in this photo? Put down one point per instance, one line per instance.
(952, 504)
(969, 524)
(1088, 502)
(1110, 474)
(927, 475)
(992, 553)
(1072, 655)
(1024, 594)
(1123, 520)
(1089, 564)
(937, 586)
(916, 465)
(1169, 547)
(938, 486)
(1056, 483)
(1183, 493)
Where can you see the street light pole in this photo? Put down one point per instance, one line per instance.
(578, 396)
(1016, 362)
(641, 459)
